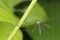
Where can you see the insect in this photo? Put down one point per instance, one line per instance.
(38, 26)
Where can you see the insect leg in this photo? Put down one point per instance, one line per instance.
(39, 29)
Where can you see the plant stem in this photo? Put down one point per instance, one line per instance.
(22, 19)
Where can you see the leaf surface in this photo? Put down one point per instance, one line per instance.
(6, 29)
(6, 14)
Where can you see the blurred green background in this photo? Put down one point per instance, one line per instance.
(52, 7)
(16, 9)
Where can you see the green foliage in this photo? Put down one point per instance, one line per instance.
(6, 14)
(8, 20)
(6, 29)
(11, 3)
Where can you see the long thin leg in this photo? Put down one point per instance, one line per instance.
(39, 29)
(46, 25)
(34, 28)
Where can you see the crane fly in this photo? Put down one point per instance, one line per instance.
(38, 25)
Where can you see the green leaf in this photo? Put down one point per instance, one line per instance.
(6, 14)
(6, 29)
(11, 3)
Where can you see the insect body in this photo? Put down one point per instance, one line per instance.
(39, 27)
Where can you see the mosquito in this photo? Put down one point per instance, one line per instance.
(39, 24)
